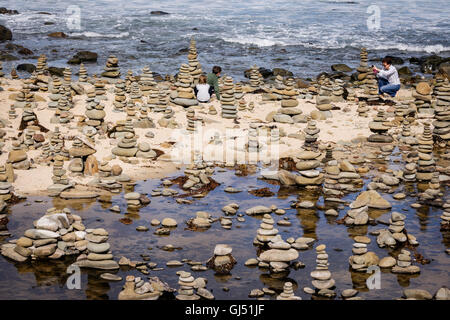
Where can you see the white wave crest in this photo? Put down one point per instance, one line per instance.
(90, 34)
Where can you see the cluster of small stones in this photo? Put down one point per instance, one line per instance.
(227, 99)
(222, 261)
(195, 69)
(197, 177)
(82, 74)
(112, 69)
(136, 288)
(323, 283)
(442, 108)
(422, 100)
(426, 164)
(396, 233)
(184, 94)
(288, 293)
(288, 113)
(379, 129)
(404, 265)
(363, 109)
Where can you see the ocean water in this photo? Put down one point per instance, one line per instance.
(303, 36)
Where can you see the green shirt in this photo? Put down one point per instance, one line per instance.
(213, 81)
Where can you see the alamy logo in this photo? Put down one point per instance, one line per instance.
(374, 281)
(74, 280)
(73, 18)
(373, 21)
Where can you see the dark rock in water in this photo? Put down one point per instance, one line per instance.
(28, 67)
(395, 60)
(5, 33)
(341, 67)
(414, 60)
(327, 75)
(194, 29)
(3, 10)
(282, 72)
(25, 51)
(55, 71)
(404, 71)
(42, 12)
(159, 13)
(48, 23)
(429, 64)
(266, 73)
(7, 57)
(57, 35)
(184, 50)
(83, 56)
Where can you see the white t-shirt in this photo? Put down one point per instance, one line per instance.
(203, 92)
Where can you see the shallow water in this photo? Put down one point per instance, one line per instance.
(47, 280)
(305, 37)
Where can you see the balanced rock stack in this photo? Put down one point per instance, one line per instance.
(126, 146)
(324, 98)
(222, 262)
(18, 157)
(242, 105)
(55, 92)
(363, 110)
(445, 217)
(379, 129)
(186, 291)
(338, 91)
(442, 108)
(124, 128)
(135, 200)
(41, 66)
(311, 134)
(60, 180)
(144, 122)
(112, 69)
(135, 93)
(266, 231)
(426, 164)
(129, 78)
(404, 264)
(422, 99)
(238, 93)
(100, 90)
(288, 111)
(82, 74)
(321, 275)
(131, 109)
(279, 256)
(161, 105)
(395, 234)
(195, 69)
(192, 120)
(306, 164)
(119, 96)
(405, 136)
(254, 78)
(229, 110)
(146, 81)
(99, 255)
(278, 87)
(363, 69)
(12, 112)
(288, 293)
(362, 258)
(184, 94)
(94, 112)
(137, 289)
(5, 187)
(145, 151)
(28, 116)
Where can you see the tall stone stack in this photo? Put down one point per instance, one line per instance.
(442, 116)
(162, 103)
(367, 79)
(379, 129)
(363, 69)
(186, 291)
(363, 109)
(146, 81)
(311, 135)
(60, 180)
(238, 93)
(41, 66)
(289, 103)
(119, 96)
(321, 275)
(266, 231)
(325, 96)
(422, 100)
(426, 164)
(94, 112)
(82, 74)
(55, 92)
(307, 163)
(229, 109)
(184, 94)
(278, 87)
(338, 90)
(288, 293)
(135, 94)
(362, 258)
(129, 78)
(254, 78)
(195, 69)
(153, 98)
(112, 69)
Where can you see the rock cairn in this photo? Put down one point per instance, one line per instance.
(126, 146)
(362, 258)
(228, 104)
(55, 92)
(288, 293)
(288, 111)
(112, 69)
(404, 264)
(184, 94)
(279, 256)
(254, 78)
(442, 116)
(82, 74)
(366, 79)
(135, 93)
(426, 164)
(94, 112)
(2, 74)
(186, 291)
(307, 162)
(222, 261)
(445, 217)
(60, 180)
(195, 69)
(321, 275)
(396, 233)
(363, 109)
(192, 120)
(238, 92)
(325, 97)
(379, 129)
(137, 289)
(422, 99)
(100, 90)
(119, 96)
(41, 66)
(311, 135)
(146, 82)
(266, 231)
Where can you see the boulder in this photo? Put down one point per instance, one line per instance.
(5, 33)
(341, 67)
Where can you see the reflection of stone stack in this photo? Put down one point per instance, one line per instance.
(184, 94)
(422, 99)
(288, 293)
(82, 74)
(379, 129)
(426, 165)
(238, 93)
(254, 78)
(112, 69)
(119, 97)
(321, 275)
(195, 69)
(363, 109)
(442, 116)
(229, 110)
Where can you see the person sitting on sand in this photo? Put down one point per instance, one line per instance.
(213, 80)
(203, 91)
(388, 80)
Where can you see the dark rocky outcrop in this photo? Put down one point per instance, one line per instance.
(28, 67)
(5, 34)
(83, 56)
